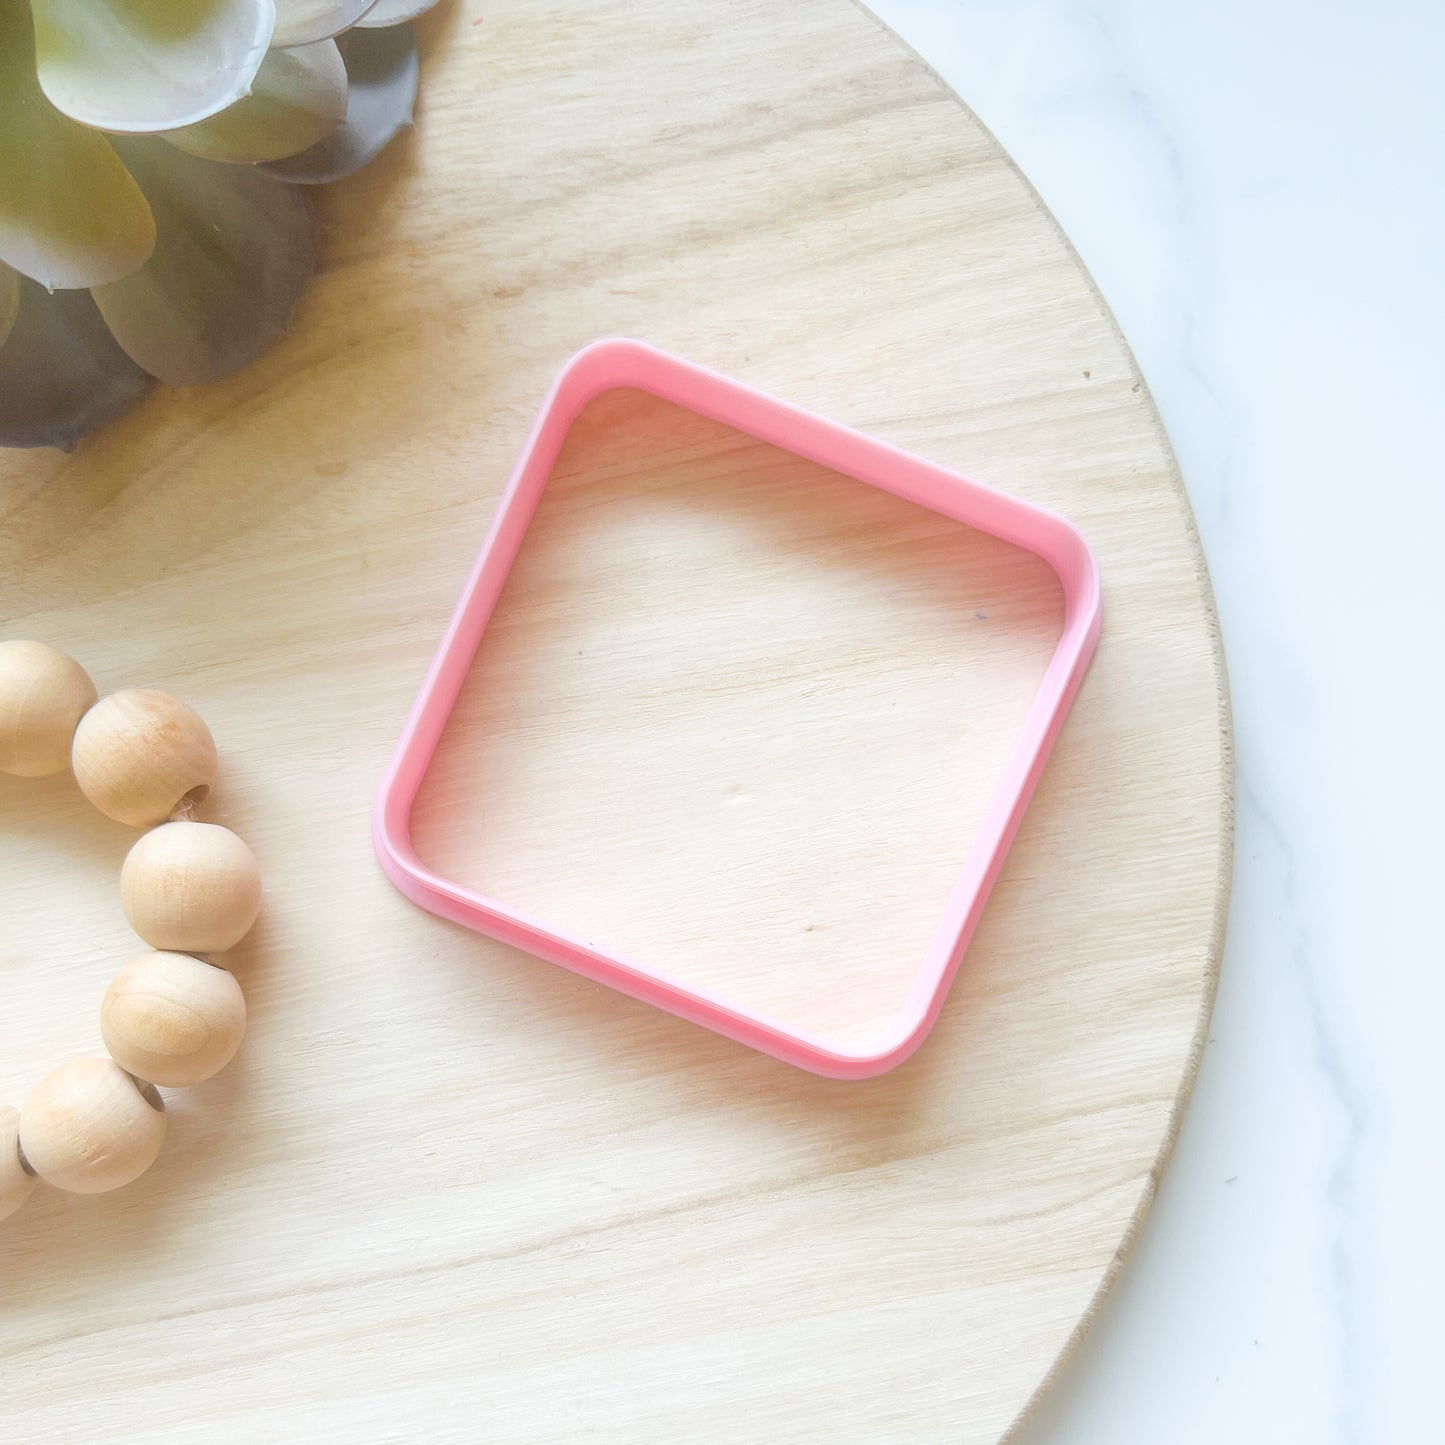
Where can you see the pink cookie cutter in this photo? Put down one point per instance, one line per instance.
(606, 365)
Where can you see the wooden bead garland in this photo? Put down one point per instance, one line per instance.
(193, 887)
(188, 888)
(172, 1019)
(43, 695)
(137, 754)
(88, 1127)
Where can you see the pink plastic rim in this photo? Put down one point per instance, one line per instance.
(612, 364)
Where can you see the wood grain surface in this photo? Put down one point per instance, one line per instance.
(735, 712)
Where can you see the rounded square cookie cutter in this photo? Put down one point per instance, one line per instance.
(604, 366)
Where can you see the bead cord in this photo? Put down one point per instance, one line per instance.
(191, 890)
(148, 1092)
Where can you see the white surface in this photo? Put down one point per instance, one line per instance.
(1256, 189)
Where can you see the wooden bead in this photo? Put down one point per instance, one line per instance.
(15, 1183)
(172, 1019)
(43, 695)
(89, 1127)
(191, 887)
(138, 753)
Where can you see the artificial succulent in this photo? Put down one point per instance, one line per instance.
(153, 155)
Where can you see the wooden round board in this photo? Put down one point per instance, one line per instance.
(450, 1192)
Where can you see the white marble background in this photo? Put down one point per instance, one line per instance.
(1256, 186)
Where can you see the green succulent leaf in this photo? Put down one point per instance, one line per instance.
(70, 215)
(303, 22)
(394, 12)
(381, 69)
(299, 96)
(62, 374)
(234, 250)
(9, 299)
(138, 66)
